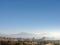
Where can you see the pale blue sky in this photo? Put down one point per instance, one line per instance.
(29, 16)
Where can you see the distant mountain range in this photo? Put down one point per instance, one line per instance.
(29, 35)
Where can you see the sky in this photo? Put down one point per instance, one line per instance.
(34, 16)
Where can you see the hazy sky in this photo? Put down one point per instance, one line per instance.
(29, 16)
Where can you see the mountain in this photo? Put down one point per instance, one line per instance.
(25, 35)
(22, 35)
(3, 35)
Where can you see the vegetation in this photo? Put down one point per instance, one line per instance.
(13, 42)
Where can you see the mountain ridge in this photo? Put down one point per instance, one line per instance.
(29, 35)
